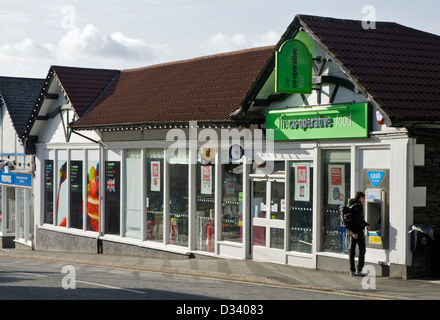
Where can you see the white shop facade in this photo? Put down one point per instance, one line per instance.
(270, 191)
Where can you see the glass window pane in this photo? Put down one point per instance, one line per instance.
(336, 188)
(61, 205)
(112, 197)
(277, 238)
(301, 204)
(232, 202)
(76, 194)
(133, 194)
(48, 191)
(154, 202)
(179, 200)
(93, 190)
(277, 206)
(10, 210)
(205, 212)
(259, 236)
(259, 199)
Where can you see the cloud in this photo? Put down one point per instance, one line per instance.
(220, 42)
(92, 45)
(87, 47)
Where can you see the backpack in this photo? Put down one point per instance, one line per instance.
(345, 217)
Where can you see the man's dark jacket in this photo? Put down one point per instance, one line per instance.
(357, 214)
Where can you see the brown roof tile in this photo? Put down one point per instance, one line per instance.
(202, 89)
(83, 85)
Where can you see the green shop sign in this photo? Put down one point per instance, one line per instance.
(330, 122)
(293, 68)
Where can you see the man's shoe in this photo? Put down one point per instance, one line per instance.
(352, 273)
(361, 273)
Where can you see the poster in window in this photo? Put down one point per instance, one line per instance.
(76, 191)
(93, 196)
(336, 180)
(61, 205)
(48, 191)
(155, 176)
(206, 181)
(302, 182)
(112, 197)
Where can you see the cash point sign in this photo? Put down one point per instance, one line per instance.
(330, 122)
(293, 68)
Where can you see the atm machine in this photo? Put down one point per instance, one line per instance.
(376, 207)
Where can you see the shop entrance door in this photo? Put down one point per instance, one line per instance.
(268, 220)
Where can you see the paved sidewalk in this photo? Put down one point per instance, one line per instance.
(252, 271)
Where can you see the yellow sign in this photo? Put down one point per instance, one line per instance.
(208, 153)
(375, 239)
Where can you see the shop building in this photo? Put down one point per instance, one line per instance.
(249, 154)
(17, 97)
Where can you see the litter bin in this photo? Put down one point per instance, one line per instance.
(422, 237)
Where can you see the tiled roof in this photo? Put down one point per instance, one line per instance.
(203, 89)
(19, 95)
(399, 67)
(83, 85)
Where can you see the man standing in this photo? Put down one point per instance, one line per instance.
(357, 233)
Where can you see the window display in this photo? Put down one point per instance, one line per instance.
(232, 202)
(61, 204)
(179, 200)
(112, 197)
(133, 193)
(76, 194)
(155, 193)
(205, 210)
(301, 206)
(48, 191)
(336, 189)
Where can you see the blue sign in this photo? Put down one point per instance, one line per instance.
(375, 177)
(18, 179)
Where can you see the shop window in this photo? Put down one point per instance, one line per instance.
(10, 210)
(301, 204)
(112, 197)
(21, 213)
(76, 194)
(336, 190)
(178, 167)
(155, 193)
(61, 185)
(133, 193)
(205, 204)
(232, 202)
(48, 191)
(92, 190)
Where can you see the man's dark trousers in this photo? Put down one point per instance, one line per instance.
(360, 241)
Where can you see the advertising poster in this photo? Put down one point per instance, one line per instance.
(112, 197)
(206, 181)
(93, 196)
(76, 191)
(48, 191)
(155, 176)
(336, 180)
(61, 206)
(302, 182)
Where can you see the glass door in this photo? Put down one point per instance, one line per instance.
(268, 220)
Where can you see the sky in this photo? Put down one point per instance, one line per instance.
(129, 34)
